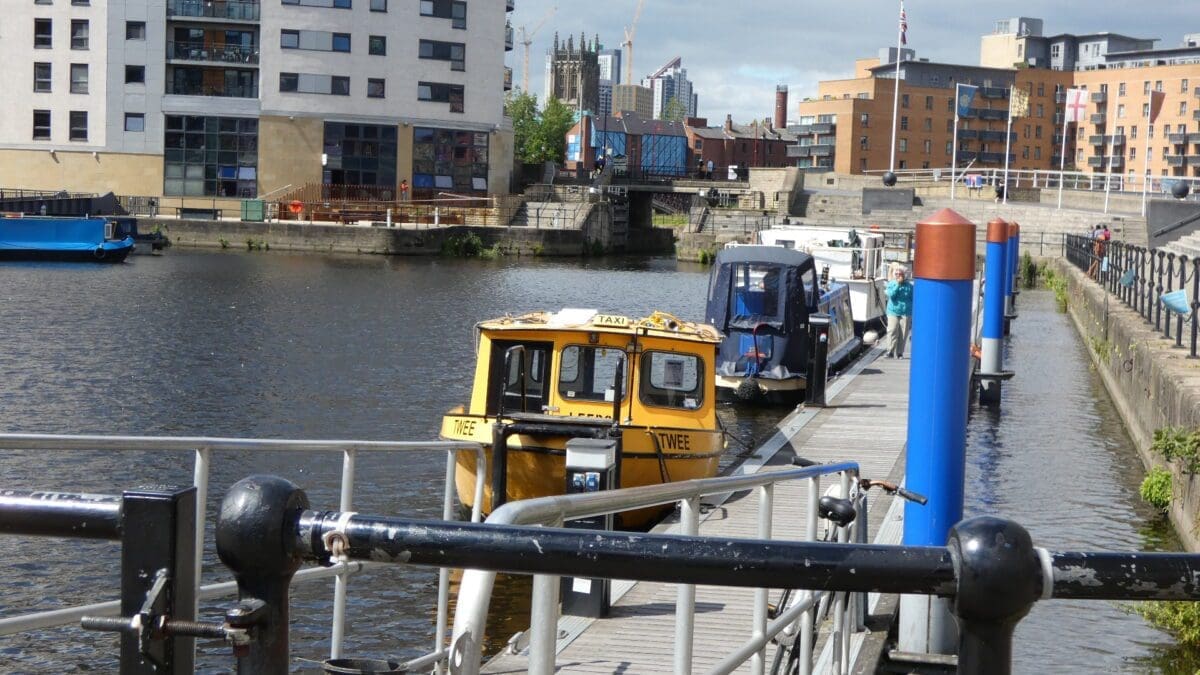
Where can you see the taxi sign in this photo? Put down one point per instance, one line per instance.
(611, 320)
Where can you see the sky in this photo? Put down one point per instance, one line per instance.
(736, 53)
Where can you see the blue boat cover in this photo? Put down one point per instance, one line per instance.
(56, 234)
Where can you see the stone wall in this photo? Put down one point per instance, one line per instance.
(1152, 383)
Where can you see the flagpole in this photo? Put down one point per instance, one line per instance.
(1112, 148)
(896, 90)
(1146, 155)
(1008, 141)
(1062, 154)
(954, 145)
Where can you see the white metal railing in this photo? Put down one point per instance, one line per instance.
(1051, 178)
(475, 589)
(203, 448)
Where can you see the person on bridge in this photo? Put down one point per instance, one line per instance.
(899, 293)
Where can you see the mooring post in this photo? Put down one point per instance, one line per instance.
(1015, 262)
(998, 577)
(991, 362)
(944, 274)
(1010, 277)
(256, 539)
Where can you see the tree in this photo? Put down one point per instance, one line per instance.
(675, 111)
(539, 136)
(521, 108)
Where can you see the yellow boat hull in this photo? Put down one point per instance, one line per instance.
(537, 464)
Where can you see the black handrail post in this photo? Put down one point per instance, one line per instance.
(257, 540)
(1170, 283)
(1195, 303)
(999, 577)
(1178, 316)
(158, 533)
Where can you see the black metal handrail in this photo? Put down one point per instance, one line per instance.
(1139, 277)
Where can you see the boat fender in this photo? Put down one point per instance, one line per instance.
(870, 337)
(99, 252)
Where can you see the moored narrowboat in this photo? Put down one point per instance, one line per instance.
(98, 239)
(542, 379)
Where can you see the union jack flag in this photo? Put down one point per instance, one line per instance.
(903, 25)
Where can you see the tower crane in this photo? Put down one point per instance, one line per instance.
(527, 39)
(628, 44)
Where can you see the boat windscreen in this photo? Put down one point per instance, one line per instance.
(757, 294)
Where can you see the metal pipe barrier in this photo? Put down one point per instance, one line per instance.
(989, 569)
(1139, 277)
(203, 447)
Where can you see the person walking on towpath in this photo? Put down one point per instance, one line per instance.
(899, 293)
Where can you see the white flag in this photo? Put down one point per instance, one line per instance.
(1076, 105)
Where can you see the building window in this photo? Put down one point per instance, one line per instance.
(442, 93)
(210, 156)
(1025, 152)
(903, 143)
(1132, 153)
(1146, 113)
(78, 125)
(1041, 89)
(79, 78)
(1183, 89)
(1037, 152)
(1120, 89)
(41, 125)
(81, 3)
(1027, 130)
(904, 123)
(863, 143)
(950, 105)
(1146, 87)
(42, 38)
(1041, 110)
(79, 34)
(1037, 131)
(314, 40)
(864, 120)
(1133, 132)
(454, 52)
(289, 39)
(135, 74)
(447, 159)
(455, 10)
(929, 103)
(949, 126)
(304, 83)
(360, 154)
(1158, 85)
(42, 2)
(1120, 110)
(378, 5)
(135, 30)
(375, 87)
(135, 121)
(928, 124)
(41, 77)
(336, 4)
(927, 147)
(377, 45)
(949, 147)
(341, 42)
(1182, 108)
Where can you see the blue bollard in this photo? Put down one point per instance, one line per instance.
(943, 279)
(1010, 276)
(1015, 260)
(996, 273)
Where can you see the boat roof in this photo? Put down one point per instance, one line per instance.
(660, 324)
(776, 255)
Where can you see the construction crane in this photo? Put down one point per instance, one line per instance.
(527, 39)
(628, 44)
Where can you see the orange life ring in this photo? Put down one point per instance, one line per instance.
(296, 206)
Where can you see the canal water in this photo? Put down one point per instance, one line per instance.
(305, 346)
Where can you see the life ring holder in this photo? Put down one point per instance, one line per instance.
(99, 252)
(296, 206)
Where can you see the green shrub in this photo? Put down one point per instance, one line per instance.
(1178, 443)
(1181, 619)
(1156, 488)
(467, 245)
(1057, 283)
(223, 242)
(1030, 271)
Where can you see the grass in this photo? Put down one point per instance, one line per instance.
(1057, 283)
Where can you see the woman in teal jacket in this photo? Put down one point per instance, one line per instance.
(899, 293)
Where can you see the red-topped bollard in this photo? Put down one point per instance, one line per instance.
(996, 272)
(939, 387)
(1010, 275)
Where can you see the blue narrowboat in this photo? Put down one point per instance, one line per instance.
(99, 239)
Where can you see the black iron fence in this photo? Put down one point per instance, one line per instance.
(1162, 286)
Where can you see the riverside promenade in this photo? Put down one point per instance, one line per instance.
(865, 422)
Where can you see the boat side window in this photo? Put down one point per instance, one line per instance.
(810, 287)
(589, 373)
(672, 380)
(521, 394)
(756, 291)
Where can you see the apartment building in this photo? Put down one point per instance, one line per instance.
(847, 127)
(232, 99)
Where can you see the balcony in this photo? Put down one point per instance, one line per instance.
(966, 156)
(1098, 139)
(1175, 160)
(1096, 162)
(222, 54)
(1177, 139)
(968, 134)
(1116, 161)
(987, 114)
(1194, 160)
(1098, 118)
(1118, 140)
(799, 150)
(1193, 138)
(996, 136)
(1060, 96)
(1058, 119)
(993, 92)
(821, 150)
(1196, 115)
(232, 10)
(1099, 97)
(994, 157)
(508, 79)
(1196, 92)
(227, 91)
(508, 37)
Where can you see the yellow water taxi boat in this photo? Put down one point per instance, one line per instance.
(544, 378)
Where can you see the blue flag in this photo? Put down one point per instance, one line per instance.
(966, 94)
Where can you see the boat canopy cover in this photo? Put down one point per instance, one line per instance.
(51, 234)
(760, 297)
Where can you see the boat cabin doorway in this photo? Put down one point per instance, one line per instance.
(517, 375)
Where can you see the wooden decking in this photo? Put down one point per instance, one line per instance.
(865, 423)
